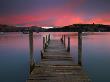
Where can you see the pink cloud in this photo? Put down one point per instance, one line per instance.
(102, 18)
(56, 17)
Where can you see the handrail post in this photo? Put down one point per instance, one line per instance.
(48, 38)
(64, 40)
(68, 48)
(32, 62)
(43, 43)
(42, 54)
(46, 41)
(80, 48)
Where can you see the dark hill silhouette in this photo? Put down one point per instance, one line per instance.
(70, 28)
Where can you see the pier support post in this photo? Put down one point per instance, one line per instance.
(43, 43)
(42, 54)
(46, 41)
(80, 48)
(48, 38)
(68, 48)
(32, 62)
(64, 40)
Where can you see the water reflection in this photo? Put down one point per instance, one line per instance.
(15, 55)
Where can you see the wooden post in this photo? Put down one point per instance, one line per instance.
(42, 54)
(32, 63)
(46, 39)
(68, 48)
(46, 42)
(80, 48)
(64, 40)
(49, 37)
(43, 43)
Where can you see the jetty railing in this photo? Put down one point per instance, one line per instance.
(63, 40)
(46, 41)
(32, 61)
(56, 63)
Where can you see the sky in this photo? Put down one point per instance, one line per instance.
(54, 12)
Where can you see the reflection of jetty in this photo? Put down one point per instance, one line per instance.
(56, 64)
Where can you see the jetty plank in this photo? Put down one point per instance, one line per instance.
(57, 66)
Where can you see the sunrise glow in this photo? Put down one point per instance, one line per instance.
(54, 12)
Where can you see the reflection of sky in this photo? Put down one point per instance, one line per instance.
(54, 12)
(14, 55)
(13, 51)
(14, 41)
(96, 56)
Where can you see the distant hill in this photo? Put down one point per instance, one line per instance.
(7, 28)
(69, 28)
(83, 27)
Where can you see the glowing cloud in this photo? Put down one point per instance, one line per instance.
(53, 12)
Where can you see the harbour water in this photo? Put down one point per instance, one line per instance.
(14, 54)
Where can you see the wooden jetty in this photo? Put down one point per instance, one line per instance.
(57, 64)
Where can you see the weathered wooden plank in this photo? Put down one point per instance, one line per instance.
(57, 62)
(57, 66)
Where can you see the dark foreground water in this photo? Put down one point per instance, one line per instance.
(14, 55)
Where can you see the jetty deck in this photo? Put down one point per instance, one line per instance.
(57, 66)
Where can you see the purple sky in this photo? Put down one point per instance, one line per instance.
(54, 12)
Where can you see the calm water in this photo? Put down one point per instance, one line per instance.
(14, 55)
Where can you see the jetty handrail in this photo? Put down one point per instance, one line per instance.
(68, 47)
(63, 40)
(46, 41)
(57, 64)
(32, 60)
(80, 48)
